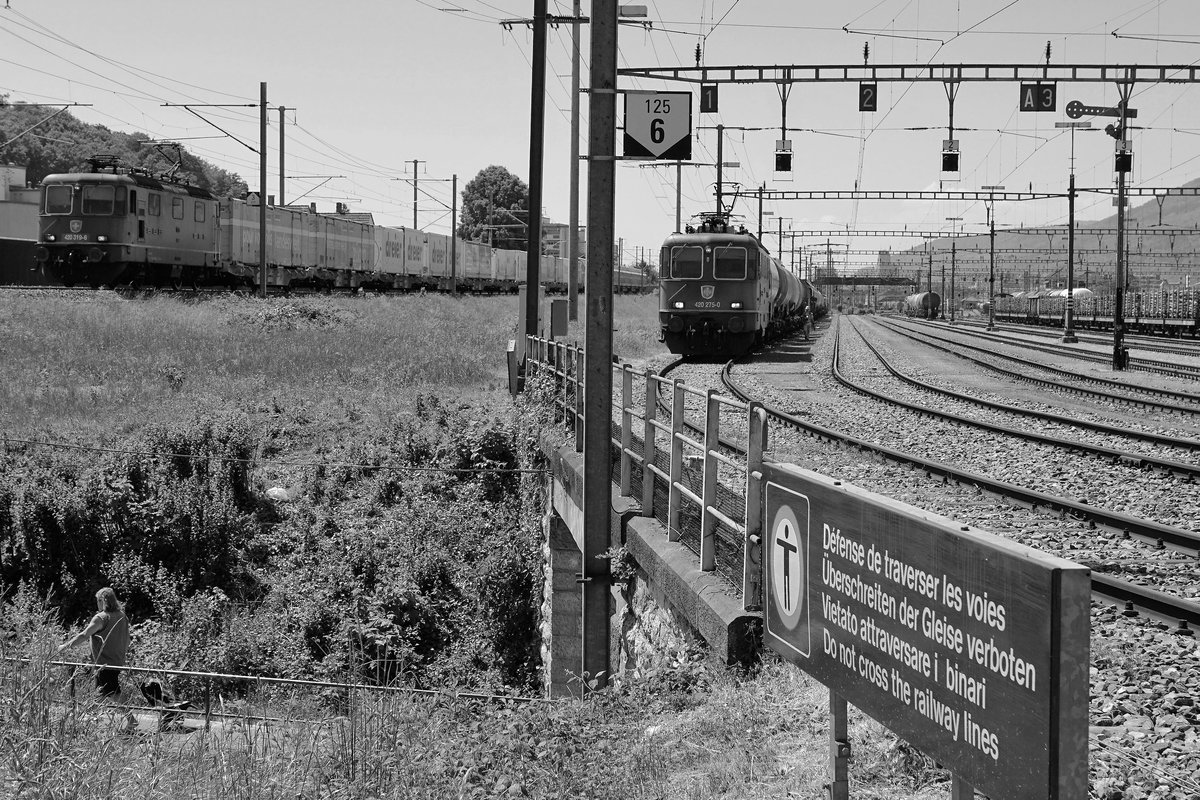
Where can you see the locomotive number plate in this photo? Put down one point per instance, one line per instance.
(708, 304)
(74, 237)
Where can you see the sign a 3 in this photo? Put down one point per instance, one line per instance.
(1039, 96)
(658, 125)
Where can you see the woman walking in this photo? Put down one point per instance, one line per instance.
(109, 635)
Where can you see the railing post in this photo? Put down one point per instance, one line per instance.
(579, 399)
(752, 555)
(562, 362)
(207, 703)
(708, 493)
(626, 427)
(676, 469)
(649, 445)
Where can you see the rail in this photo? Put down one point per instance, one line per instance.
(675, 469)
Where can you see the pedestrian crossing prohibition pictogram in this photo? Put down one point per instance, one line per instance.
(786, 559)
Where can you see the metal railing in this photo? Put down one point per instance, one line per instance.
(253, 688)
(708, 485)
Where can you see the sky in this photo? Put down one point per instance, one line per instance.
(370, 86)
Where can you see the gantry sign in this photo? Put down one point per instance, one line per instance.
(1038, 87)
(928, 73)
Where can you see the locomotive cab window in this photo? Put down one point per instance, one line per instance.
(729, 263)
(177, 207)
(199, 212)
(58, 199)
(99, 201)
(687, 262)
(154, 204)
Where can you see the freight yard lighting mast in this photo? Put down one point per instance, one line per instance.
(953, 260)
(1069, 323)
(991, 212)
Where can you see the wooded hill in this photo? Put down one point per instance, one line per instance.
(46, 142)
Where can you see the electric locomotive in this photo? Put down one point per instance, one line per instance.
(721, 292)
(110, 227)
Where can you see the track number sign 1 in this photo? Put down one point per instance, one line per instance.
(658, 125)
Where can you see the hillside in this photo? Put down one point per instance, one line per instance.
(46, 142)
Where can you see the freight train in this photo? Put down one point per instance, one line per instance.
(721, 292)
(1173, 312)
(116, 227)
(925, 305)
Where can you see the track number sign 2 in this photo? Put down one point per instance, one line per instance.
(658, 125)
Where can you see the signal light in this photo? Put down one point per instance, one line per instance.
(1123, 162)
(783, 162)
(949, 162)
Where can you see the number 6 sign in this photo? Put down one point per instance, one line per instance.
(658, 125)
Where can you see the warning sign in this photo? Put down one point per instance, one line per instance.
(971, 647)
(787, 552)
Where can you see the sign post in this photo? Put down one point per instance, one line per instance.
(970, 647)
(658, 125)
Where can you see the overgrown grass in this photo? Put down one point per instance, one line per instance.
(385, 419)
(102, 363)
(385, 423)
(758, 738)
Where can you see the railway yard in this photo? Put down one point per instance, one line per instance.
(1014, 433)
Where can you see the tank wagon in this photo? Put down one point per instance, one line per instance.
(924, 305)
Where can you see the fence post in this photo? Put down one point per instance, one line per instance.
(649, 445)
(676, 472)
(579, 400)
(207, 703)
(626, 427)
(562, 366)
(708, 493)
(752, 554)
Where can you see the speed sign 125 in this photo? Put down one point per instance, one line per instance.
(658, 125)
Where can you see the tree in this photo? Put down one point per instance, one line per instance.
(495, 201)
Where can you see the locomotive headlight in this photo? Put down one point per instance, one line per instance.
(102, 238)
(735, 305)
(678, 304)
(50, 237)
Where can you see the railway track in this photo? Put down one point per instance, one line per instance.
(1185, 613)
(1130, 457)
(1156, 344)
(1137, 363)
(1166, 400)
(1179, 611)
